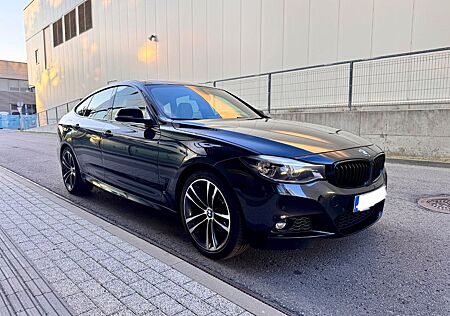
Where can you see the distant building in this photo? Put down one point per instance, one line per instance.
(14, 88)
(77, 46)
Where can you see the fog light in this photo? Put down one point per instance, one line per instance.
(280, 225)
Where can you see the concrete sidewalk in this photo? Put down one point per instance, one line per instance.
(57, 259)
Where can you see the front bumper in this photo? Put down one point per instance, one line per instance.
(317, 209)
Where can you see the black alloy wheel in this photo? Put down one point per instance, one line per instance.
(71, 174)
(211, 215)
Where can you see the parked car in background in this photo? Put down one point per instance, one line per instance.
(232, 173)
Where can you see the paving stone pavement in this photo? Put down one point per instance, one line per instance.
(23, 291)
(55, 262)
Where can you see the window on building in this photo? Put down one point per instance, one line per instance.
(4, 84)
(26, 109)
(14, 85)
(57, 33)
(30, 108)
(13, 109)
(70, 25)
(36, 56)
(23, 86)
(129, 97)
(85, 16)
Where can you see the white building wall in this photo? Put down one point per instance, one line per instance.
(204, 40)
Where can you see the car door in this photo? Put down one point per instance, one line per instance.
(130, 150)
(88, 132)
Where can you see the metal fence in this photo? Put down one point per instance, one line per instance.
(420, 77)
(52, 115)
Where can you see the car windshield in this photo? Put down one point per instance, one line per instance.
(196, 103)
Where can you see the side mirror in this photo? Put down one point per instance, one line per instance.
(133, 115)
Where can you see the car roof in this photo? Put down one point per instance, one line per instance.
(154, 82)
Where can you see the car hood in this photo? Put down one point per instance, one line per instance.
(274, 137)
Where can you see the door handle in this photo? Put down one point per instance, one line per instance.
(107, 133)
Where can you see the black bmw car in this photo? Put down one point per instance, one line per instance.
(232, 173)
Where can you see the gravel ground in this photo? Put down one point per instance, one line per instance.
(398, 266)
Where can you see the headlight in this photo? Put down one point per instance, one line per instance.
(285, 169)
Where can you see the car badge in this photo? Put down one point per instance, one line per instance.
(365, 153)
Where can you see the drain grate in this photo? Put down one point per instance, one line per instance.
(437, 204)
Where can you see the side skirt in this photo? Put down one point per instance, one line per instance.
(124, 194)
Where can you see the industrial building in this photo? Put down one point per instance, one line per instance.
(76, 46)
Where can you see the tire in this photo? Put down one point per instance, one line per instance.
(71, 174)
(211, 215)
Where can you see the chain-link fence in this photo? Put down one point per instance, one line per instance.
(411, 78)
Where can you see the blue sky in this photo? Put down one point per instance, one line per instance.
(12, 32)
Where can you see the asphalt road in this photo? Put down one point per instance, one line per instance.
(399, 266)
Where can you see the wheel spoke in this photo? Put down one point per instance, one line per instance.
(207, 193)
(191, 230)
(190, 198)
(67, 158)
(224, 216)
(213, 235)
(208, 228)
(64, 162)
(225, 228)
(66, 175)
(189, 219)
(213, 196)
(71, 160)
(199, 199)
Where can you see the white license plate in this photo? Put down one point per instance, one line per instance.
(365, 201)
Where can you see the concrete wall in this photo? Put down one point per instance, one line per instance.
(203, 40)
(410, 133)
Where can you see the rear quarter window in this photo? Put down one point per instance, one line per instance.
(80, 108)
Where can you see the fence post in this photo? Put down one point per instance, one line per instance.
(56, 114)
(269, 92)
(67, 107)
(214, 84)
(46, 116)
(350, 87)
